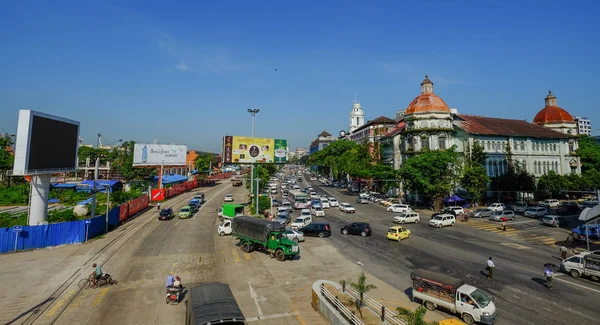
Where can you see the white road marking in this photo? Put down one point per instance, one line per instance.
(513, 245)
(204, 204)
(254, 319)
(254, 296)
(579, 285)
(517, 222)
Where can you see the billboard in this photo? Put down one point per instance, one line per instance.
(45, 144)
(246, 150)
(145, 154)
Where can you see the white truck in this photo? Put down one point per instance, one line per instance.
(586, 264)
(436, 290)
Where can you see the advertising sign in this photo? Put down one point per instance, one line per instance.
(246, 150)
(159, 154)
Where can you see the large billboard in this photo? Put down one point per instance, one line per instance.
(45, 144)
(248, 150)
(145, 154)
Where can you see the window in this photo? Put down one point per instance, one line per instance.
(496, 171)
(571, 146)
(536, 169)
(425, 143)
(409, 144)
(487, 143)
(442, 142)
(554, 147)
(415, 143)
(522, 145)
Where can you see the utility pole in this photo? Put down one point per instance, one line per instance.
(107, 204)
(253, 112)
(94, 187)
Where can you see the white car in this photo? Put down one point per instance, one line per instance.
(457, 210)
(346, 207)
(301, 222)
(442, 220)
(499, 215)
(325, 203)
(228, 198)
(294, 235)
(536, 212)
(497, 206)
(398, 208)
(314, 195)
(305, 212)
(333, 202)
(407, 217)
(550, 203)
(317, 211)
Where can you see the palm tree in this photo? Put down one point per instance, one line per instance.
(361, 287)
(416, 317)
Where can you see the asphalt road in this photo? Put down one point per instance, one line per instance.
(462, 251)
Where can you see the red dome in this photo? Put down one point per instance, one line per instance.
(427, 102)
(553, 114)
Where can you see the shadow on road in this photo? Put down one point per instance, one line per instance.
(539, 281)
(48, 300)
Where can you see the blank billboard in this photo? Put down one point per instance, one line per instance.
(45, 144)
(145, 154)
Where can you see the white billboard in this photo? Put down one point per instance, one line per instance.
(159, 154)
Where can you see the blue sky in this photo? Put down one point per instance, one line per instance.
(187, 71)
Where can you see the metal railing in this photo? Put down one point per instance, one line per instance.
(376, 307)
(339, 306)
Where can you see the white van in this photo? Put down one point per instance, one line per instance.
(301, 222)
(224, 228)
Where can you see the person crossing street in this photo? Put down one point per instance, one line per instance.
(490, 268)
(548, 274)
(563, 252)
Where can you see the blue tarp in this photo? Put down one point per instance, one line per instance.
(84, 202)
(86, 186)
(453, 198)
(50, 201)
(64, 185)
(168, 179)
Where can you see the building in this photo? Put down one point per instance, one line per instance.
(323, 140)
(373, 130)
(357, 116)
(584, 126)
(549, 143)
(300, 152)
(191, 156)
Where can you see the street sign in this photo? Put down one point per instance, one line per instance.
(18, 228)
(88, 221)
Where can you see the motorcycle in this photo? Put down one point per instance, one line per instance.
(105, 279)
(173, 293)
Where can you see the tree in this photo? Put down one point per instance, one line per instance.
(123, 163)
(416, 317)
(85, 152)
(475, 181)
(552, 183)
(204, 161)
(477, 154)
(431, 173)
(589, 153)
(6, 156)
(362, 288)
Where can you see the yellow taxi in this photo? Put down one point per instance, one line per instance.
(397, 233)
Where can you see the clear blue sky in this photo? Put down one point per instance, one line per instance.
(187, 72)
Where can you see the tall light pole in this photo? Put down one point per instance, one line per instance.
(253, 112)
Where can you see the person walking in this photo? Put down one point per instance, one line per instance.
(563, 252)
(490, 268)
(158, 206)
(503, 225)
(548, 274)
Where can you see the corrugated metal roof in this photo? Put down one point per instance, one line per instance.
(167, 179)
(505, 127)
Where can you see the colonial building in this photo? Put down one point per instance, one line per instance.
(323, 140)
(357, 116)
(373, 130)
(549, 143)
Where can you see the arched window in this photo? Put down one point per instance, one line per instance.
(415, 143)
(409, 143)
(522, 145)
(536, 169)
(554, 147)
(571, 146)
(488, 167)
(442, 142)
(487, 143)
(496, 171)
(524, 165)
(424, 143)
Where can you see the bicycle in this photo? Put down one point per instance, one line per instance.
(105, 279)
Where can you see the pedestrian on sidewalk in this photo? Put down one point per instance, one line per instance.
(563, 252)
(490, 268)
(548, 274)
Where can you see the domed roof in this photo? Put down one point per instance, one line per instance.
(552, 113)
(427, 101)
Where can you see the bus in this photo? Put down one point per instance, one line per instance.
(299, 200)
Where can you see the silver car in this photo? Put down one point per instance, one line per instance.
(481, 213)
(294, 235)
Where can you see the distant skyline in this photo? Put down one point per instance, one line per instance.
(187, 73)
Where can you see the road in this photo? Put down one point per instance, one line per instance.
(462, 251)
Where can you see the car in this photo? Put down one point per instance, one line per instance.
(519, 207)
(502, 215)
(357, 228)
(457, 210)
(166, 214)
(274, 203)
(283, 218)
(536, 212)
(333, 202)
(317, 211)
(273, 190)
(397, 233)
(550, 203)
(294, 235)
(570, 207)
(389, 202)
(346, 207)
(317, 229)
(286, 206)
(481, 213)
(555, 221)
(362, 200)
(314, 195)
(398, 208)
(301, 221)
(185, 212)
(325, 203)
(407, 217)
(310, 189)
(228, 198)
(305, 212)
(496, 206)
(443, 220)
(586, 198)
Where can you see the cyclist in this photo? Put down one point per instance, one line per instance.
(96, 274)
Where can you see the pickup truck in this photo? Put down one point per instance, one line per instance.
(264, 235)
(586, 264)
(439, 290)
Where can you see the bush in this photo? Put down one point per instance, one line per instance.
(14, 195)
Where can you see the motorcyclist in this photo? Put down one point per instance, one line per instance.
(170, 280)
(96, 275)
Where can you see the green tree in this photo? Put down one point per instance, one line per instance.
(589, 153)
(431, 173)
(204, 161)
(6, 157)
(123, 163)
(362, 287)
(552, 183)
(92, 153)
(416, 317)
(475, 181)
(478, 155)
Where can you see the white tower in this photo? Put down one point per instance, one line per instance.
(357, 116)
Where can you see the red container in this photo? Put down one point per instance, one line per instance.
(123, 212)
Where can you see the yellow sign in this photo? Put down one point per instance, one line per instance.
(248, 150)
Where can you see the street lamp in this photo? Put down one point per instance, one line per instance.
(253, 112)
(107, 203)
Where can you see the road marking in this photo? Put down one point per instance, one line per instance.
(58, 305)
(254, 296)
(206, 202)
(100, 296)
(254, 319)
(247, 256)
(517, 246)
(526, 221)
(236, 256)
(579, 285)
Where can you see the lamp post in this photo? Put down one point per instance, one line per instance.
(253, 112)
(107, 204)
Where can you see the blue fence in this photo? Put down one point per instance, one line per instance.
(71, 232)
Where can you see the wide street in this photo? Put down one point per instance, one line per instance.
(462, 251)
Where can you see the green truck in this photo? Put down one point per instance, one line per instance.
(265, 235)
(230, 211)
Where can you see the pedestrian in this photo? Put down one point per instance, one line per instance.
(563, 252)
(503, 225)
(158, 206)
(490, 268)
(548, 274)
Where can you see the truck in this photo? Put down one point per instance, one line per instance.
(230, 211)
(213, 303)
(437, 290)
(586, 264)
(264, 235)
(194, 204)
(237, 182)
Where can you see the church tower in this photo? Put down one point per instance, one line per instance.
(357, 116)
